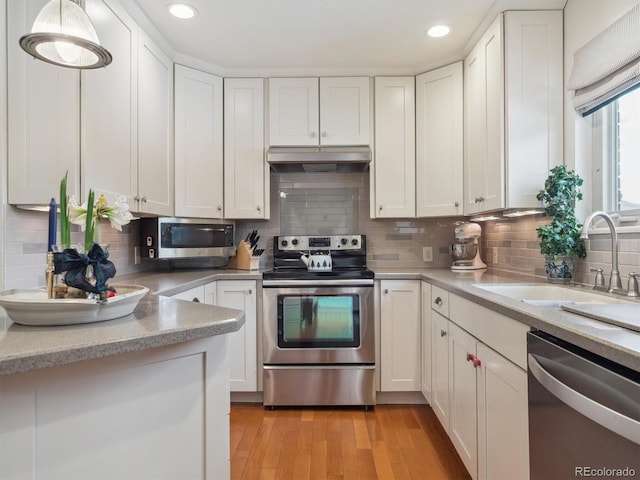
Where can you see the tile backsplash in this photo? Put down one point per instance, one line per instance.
(330, 203)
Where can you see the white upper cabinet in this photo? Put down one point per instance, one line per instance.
(198, 144)
(155, 129)
(126, 116)
(513, 110)
(394, 168)
(43, 117)
(344, 111)
(109, 126)
(293, 111)
(246, 177)
(325, 111)
(439, 140)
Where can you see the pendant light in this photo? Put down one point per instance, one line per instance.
(63, 35)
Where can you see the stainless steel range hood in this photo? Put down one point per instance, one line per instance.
(319, 159)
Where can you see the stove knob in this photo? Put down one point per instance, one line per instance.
(284, 243)
(294, 241)
(343, 241)
(354, 241)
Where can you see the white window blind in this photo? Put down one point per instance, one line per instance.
(607, 66)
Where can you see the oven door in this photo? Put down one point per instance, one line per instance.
(318, 323)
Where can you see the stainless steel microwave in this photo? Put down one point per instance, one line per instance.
(166, 238)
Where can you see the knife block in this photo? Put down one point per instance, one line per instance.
(243, 259)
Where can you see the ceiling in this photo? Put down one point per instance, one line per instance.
(315, 36)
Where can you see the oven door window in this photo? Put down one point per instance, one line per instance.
(318, 321)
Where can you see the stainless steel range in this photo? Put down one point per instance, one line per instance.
(319, 335)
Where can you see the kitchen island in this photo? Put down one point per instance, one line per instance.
(144, 396)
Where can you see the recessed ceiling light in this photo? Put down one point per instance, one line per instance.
(438, 31)
(181, 10)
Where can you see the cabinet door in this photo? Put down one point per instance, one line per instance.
(155, 129)
(484, 172)
(440, 368)
(344, 111)
(533, 63)
(43, 117)
(109, 133)
(439, 142)
(241, 295)
(196, 294)
(462, 392)
(198, 144)
(293, 111)
(246, 177)
(503, 449)
(400, 335)
(395, 156)
(426, 341)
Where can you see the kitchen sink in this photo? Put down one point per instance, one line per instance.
(551, 295)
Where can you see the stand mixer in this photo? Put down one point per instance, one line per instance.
(466, 250)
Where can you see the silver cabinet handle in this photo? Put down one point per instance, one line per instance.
(137, 198)
(380, 208)
(312, 134)
(196, 300)
(144, 199)
(456, 204)
(250, 291)
(443, 333)
(219, 208)
(386, 290)
(438, 301)
(258, 207)
(604, 416)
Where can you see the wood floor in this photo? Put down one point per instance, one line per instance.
(387, 442)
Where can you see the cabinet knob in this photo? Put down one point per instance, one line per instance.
(380, 208)
(249, 292)
(456, 204)
(196, 300)
(144, 199)
(438, 301)
(258, 207)
(472, 358)
(386, 290)
(443, 333)
(312, 134)
(324, 134)
(219, 208)
(137, 198)
(481, 199)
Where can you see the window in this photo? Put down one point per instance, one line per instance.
(621, 153)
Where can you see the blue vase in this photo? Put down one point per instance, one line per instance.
(558, 269)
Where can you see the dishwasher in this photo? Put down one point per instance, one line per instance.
(584, 413)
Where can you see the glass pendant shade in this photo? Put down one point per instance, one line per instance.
(63, 35)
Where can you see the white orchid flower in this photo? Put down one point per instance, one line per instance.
(77, 213)
(118, 214)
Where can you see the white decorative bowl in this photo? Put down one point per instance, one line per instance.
(32, 307)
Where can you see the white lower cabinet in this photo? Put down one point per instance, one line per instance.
(400, 339)
(426, 341)
(503, 429)
(440, 368)
(463, 421)
(195, 294)
(241, 294)
(479, 386)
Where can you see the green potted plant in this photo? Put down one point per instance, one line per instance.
(560, 241)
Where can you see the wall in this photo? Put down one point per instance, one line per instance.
(390, 243)
(26, 234)
(514, 244)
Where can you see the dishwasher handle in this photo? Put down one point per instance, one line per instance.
(602, 415)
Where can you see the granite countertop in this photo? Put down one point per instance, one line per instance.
(615, 343)
(160, 321)
(157, 321)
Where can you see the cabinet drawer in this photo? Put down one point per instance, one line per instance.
(505, 335)
(440, 301)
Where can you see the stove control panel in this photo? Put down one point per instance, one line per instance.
(331, 242)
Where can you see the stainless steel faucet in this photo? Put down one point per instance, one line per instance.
(615, 284)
